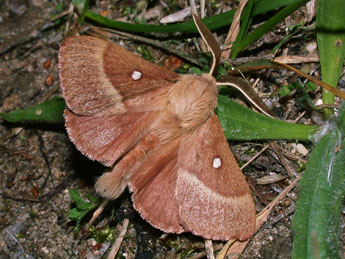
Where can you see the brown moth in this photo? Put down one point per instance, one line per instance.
(158, 134)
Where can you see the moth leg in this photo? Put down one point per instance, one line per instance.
(111, 184)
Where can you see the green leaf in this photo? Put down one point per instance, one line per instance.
(291, 32)
(284, 91)
(75, 196)
(196, 70)
(74, 214)
(330, 32)
(241, 123)
(145, 53)
(91, 198)
(50, 111)
(220, 72)
(80, 202)
(102, 235)
(59, 8)
(311, 86)
(83, 206)
(316, 221)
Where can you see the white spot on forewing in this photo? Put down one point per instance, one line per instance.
(217, 162)
(136, 75)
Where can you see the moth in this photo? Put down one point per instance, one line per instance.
(158, 133)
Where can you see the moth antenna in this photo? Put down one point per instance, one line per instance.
(210, 41)
(248, 92)
(202, 8)
(193, 7)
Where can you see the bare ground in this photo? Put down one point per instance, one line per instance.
(39, 162)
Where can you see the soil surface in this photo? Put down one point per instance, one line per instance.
(39, 164)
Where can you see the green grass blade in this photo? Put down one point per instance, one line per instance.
(50, 111)
(264, 6)
(330, 32)
(322, 186)
(246, 21)
(81, 6)
(267, 26)
(213, 22)
(240, 123)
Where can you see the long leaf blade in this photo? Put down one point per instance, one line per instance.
(330, 28)
(240, 123)
(50, 111)
(213, 22)
(322, 186)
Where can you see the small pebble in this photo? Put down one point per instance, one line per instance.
(47, 64)
(45, 250)
(301, 149)
(49, 80)
(311, 46)
(318, 102)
